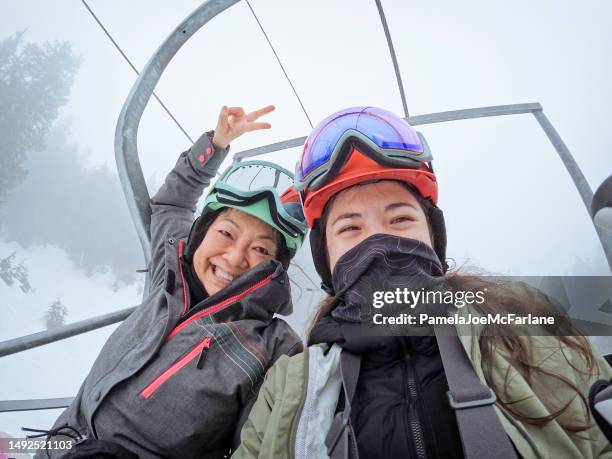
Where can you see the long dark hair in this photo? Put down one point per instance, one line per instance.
(519, 348)
(495, 337)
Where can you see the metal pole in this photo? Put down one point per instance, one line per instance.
(278, 146)
(430, 118)
(35, 404)
(23, 343)
(577, 176)
(398, 77)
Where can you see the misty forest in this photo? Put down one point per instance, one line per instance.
(48, 196)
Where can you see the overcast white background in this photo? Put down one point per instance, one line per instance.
(510, 205)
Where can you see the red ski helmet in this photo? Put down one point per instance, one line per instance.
(358, 145)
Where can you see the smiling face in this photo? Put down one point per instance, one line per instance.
(234, 243)
(385, 207)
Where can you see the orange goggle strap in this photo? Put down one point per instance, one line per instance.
(290, 195)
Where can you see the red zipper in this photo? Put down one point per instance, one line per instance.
(180, 254)
(175, 368)
(205, 344)
(218, 306)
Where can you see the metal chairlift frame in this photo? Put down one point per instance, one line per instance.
(137, 194)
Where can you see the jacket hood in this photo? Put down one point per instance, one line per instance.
(198, 230)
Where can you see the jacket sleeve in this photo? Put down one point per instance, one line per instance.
(173, 206)
(260, 418)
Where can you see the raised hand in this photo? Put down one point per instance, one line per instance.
(233, 122)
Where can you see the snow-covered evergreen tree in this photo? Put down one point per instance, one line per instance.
(11, 272)
(55, 315)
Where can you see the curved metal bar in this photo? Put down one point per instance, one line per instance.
(126, 132)
(23, 343)
(398, 77)
(586, 193)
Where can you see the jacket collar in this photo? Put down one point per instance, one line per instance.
(257, 294)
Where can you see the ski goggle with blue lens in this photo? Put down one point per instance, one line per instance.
(379, 134)
(257, 187)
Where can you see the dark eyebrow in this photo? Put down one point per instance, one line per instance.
(346, 215)
(395, 205)
(261, 236)
(229, 220)
(265, 236)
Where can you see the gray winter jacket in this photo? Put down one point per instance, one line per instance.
(173, 381)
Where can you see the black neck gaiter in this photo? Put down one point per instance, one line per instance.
(381, 263)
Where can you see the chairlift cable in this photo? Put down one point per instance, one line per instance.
(293, 263)
(135, 70)
(299, 288)
(280, 63)
(398, 77)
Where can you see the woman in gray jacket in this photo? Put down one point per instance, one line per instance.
(175, 377)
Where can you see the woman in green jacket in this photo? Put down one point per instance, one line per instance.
(367, 387)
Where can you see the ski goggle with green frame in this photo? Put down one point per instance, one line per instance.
(259, 188)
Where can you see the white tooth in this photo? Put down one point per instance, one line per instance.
(224, 275)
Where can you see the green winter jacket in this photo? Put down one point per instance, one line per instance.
(297, 400)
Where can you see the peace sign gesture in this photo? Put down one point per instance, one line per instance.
(233, 122)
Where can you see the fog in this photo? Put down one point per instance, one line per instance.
(509, 202)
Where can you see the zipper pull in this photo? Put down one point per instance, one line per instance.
(203, 354)
(202, 358)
